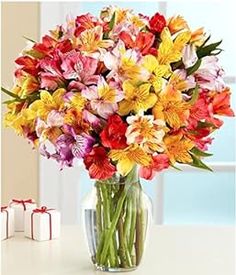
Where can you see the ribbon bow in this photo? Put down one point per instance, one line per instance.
(43, 209)
(3, 208)
(23, 202)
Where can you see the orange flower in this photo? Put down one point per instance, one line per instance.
(91, 40)
(73, 117)
(176, 24)
(197, 37)
(178, 148)
(171, 108)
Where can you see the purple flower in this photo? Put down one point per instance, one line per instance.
(70, 146)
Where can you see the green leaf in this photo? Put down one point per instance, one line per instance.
(176, 65)
(194, 68)
(175, 167)
(200, 153)
(199, 164)
(29, 39)
(10, 101)
(11, 94)
(112, 22)
(195, 95)
(208, 38)
(208, 50)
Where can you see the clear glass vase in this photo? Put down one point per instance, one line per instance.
(117, 216)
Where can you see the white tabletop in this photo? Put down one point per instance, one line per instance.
(172, 250)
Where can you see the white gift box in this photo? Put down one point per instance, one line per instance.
(20, 206)
(7, 222)
(42, 224)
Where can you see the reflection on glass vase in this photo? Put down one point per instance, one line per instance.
(117, 216)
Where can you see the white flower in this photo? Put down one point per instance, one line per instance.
(189, 56)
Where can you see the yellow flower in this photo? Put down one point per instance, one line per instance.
(48, 102)
(180, 81)
(91, 40)
(26, 85)
(121, 14)
(146, 132)
(158, 71)
(137, 98)
(178, 148)
(129, 67)
(77, 101)
(18, 121)
(128, 157)
(171, 108)
(170, 51)
(105, 92)
(138, 22)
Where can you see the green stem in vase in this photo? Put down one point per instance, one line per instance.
(128, 217)
(133, 226)
(98, 211)
(139, 228)
(129, 180)
(121, 243)
(106, 211)
(99, 222)
(113, 223)
(112, 191)
(123, 249)
(100, 246)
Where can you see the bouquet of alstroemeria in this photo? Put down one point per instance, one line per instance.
(118, 91)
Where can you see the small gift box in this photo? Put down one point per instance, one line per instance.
(20, 206)
(42, 224)
(7, 222)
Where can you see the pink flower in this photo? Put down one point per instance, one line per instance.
(50, 82)
(159, 162)
(210, 75)
(51, 73)
(93, 120)
(103, 97)
(80, 69)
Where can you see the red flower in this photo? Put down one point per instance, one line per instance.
(28, 64)
(221, 103)
(143, 41)
(98, 164)
(113, 135)
(46, 46)
(159, 162)
(84, 22)
(157, 23)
